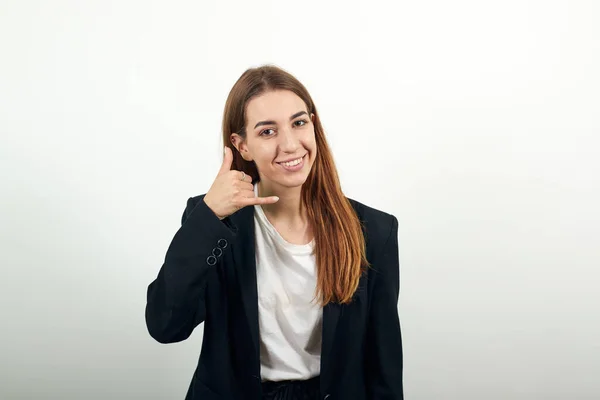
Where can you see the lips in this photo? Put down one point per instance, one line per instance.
(294, 168)
(293, 159)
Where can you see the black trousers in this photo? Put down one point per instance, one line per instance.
(292, 390)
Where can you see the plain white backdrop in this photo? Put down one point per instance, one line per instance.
(476, 123)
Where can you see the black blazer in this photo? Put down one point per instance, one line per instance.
(209, 275)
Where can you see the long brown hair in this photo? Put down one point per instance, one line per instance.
(340, 249)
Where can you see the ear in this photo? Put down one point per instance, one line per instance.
(312, 117)
(240, 144)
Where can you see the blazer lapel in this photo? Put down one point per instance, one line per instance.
(245, 264)
(331, 315)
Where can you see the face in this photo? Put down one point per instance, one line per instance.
(279, 129)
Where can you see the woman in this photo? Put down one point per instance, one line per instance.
(297, 285)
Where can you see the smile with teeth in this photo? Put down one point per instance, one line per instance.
(292, 163)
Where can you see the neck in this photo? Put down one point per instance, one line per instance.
(288, 209)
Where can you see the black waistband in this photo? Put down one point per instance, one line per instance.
(307, 386)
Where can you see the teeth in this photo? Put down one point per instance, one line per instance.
(292, 163)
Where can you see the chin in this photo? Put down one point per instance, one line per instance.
(295, 181)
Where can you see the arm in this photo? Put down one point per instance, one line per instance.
(384, 342)
(176, 298)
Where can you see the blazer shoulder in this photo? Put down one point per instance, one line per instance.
(377, 224)
(196, 199)
(192, 202)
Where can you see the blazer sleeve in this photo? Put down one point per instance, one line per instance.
(384, 342)
(176, 299)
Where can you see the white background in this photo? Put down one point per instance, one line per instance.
(476, 123)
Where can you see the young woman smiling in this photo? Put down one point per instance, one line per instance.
(297, 285)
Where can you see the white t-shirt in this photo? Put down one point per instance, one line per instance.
(290, 319)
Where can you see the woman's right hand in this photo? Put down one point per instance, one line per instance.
(229, 193)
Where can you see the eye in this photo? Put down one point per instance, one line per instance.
(262, 133)
(303, 122)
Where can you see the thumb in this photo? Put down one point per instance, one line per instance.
(227, 160)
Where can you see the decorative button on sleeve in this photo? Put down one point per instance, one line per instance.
(211, 260)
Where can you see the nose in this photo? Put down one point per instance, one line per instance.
(288, 140)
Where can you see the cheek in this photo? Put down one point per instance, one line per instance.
(309, 140)
(311, 144)
(264, 156)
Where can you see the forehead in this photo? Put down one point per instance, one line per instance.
(274, 105)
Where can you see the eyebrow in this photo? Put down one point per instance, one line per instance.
(273, 122)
